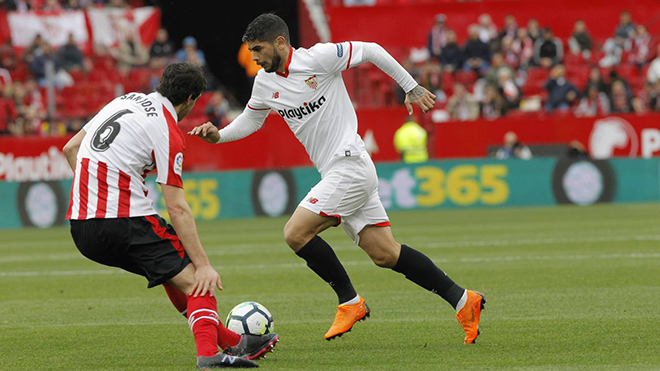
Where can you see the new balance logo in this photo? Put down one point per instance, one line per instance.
(276, 94)
(313, 200)
(228, 358)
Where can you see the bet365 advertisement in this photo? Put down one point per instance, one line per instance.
(430, 185)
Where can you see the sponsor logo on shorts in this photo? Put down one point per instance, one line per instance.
(313, 200)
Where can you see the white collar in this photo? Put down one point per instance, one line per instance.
(166, 102)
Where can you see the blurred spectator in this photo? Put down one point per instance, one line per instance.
(245, 60)
(72, 5)
(493, 105)
(509, 89)
(475, 51)
(116, 4)
(430, 77)
(548, 50)
(534, 31)
(620, 101)
(410, 142)
(487, 29)
(653, 74)
(577, 150)
(131, 51)
(511, 58)
(17, 5)
(161, 50)
(7, 56)
(594, 103)
(8, 111)
(654, 96)
(640, 46)
(190, 51)
(595, 80)
(580, 42)
(452, 55)
(512, 148)
(496, 65)
(626, 27)
(51, 6)
(42, 57)
(437, 38)
(28, 54)
(523, 47)
(70, 55)
(614, 76)
(614, 49)
(510, 27)
(462, 105)
(217, 109)
(561, 93)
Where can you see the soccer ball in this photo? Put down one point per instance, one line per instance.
(250, 318)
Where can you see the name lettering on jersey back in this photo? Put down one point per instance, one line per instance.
(142, 100)
(302, 111)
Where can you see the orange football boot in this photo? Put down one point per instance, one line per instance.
(347, 315)
(469, 315)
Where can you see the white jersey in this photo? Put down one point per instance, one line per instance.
(129, 137)
(311, 97)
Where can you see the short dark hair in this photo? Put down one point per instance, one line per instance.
(181, 80)
(266, 27)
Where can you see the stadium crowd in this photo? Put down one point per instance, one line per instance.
(517, 69)
(506, 71)
(85, 81)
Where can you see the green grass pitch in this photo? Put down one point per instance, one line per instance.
(568, 288)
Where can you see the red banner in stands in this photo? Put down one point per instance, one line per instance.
(410, 24)
(603, 137)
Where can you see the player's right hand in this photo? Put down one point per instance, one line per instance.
(206, 280)
(208, 132)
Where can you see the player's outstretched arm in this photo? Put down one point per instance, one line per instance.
(208, 132)
(206, 278)
(245, 124)
(421, 97)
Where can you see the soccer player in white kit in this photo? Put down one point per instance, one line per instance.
(305, 87)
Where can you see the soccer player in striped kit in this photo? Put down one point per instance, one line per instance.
(305, 87)
(113, 222)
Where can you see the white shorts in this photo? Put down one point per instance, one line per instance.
(349, 192)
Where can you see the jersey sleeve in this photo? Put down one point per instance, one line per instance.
(168, 153)
(337, 57)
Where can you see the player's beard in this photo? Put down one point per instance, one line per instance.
(274, 64)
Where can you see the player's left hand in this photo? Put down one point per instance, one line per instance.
(208, 132)
(422, 98)
(206, 280)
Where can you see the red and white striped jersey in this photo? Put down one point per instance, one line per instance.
(129, 137)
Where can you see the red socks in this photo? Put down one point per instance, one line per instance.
(178, 298)
(227, 337)
(204, 307)
(203, 321)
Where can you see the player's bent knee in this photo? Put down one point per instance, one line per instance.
(185, 280)
(294, 238)
(384, 259)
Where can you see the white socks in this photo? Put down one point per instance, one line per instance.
(355, 300)
(461, 303)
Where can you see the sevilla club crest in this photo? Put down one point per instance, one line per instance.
(312, 82)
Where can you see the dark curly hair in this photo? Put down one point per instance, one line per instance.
(266, 27)
(181, 80)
